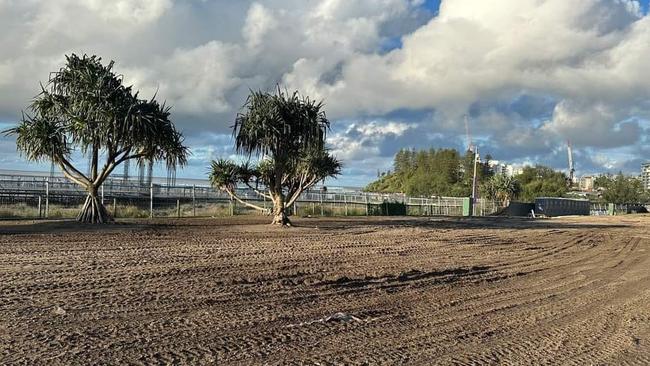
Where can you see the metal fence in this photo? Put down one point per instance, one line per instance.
(38, 197)
(599, 209)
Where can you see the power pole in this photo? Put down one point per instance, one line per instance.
(475, 178)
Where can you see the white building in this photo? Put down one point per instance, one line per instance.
(504, 168)
(645, 175)
(586, 183)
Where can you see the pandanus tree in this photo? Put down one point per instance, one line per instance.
(286, 133)
(85, 107)
(503, 188)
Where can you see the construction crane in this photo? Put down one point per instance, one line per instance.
(470, 146)
(572, 170)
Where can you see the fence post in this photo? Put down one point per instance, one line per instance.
(232, 207)
(151, 201)
(102, 190)
(367, 208)
(47, 197)
(467, 206)
(114, 208)
(178, 208)
(194, 200)
(345, 202)
(39, 207)
(322, 213)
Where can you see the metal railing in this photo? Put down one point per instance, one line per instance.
(41, 197)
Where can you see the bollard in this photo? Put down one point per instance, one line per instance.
(39, 208)
(47, 198)
(178, 208)
(151, 201)
(114, 208)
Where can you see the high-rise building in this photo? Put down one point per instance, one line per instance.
(586, 183)
(645, 175)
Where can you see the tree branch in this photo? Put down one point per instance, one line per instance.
(110, 166)
(301, 188)
(235, 197)
(257, 191)
(67, 166)
(72, 177)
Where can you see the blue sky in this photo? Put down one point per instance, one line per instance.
(434, 5)
(393, 73)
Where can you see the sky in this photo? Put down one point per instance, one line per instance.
(529, 75)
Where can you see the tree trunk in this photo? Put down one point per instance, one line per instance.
(93, 211)
(279, 211)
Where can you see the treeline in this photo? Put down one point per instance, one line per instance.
(621, 189)
(446, 172)
(433, 172)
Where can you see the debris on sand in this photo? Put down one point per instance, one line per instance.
(341, 317)
(59, 311)
(337, 317)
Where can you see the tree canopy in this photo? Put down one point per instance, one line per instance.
(285, 132)
(502, 188)
(622, 189)
(441, 172)
(445, 172)
(541, 181)
(86, 107)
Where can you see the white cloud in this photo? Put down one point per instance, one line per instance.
(589, 56)
(589, 53)
(195, 81)
(361, 140)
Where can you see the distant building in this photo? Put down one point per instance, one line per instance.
(516, 170)
(503, 168)
(645, 175)
(586, 183)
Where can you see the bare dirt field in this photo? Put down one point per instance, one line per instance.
(331, 291)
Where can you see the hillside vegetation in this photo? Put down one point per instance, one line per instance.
(446, 172)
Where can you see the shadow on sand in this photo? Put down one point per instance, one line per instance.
(12, 227)
(464, 223)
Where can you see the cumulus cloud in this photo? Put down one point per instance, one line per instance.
(362, 140)
(529, 74)
(587, 54)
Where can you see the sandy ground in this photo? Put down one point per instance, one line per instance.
(331, 291)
